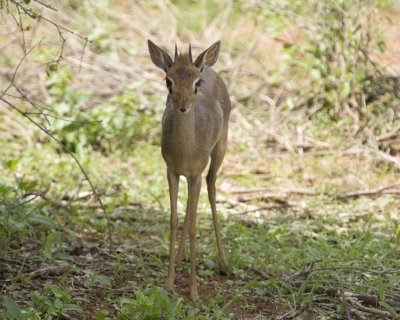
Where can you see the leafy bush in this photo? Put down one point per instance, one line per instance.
(55, 303)
(154, 304)
(20, 218)
(336, 56)
(330, 63)
(118, 124)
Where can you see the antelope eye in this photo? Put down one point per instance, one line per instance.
(196, 85)
(168, 82)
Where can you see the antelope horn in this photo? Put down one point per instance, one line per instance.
(190, 53)
(176, 52)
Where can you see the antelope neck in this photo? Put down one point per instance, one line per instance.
(183, 125)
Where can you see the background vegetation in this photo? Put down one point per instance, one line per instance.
(308, 194)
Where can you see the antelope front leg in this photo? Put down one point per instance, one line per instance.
(185, 230)
(194, 185)
(173, 182)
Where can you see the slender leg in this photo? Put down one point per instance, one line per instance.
(173, 182)
(216, 159)
(194, 191)
(185, 230)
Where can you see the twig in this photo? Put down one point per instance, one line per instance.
(271, 207)
(16, 71)
(369, 309)
(26, 201)
(22, 31)
(395, 161)
(46, 5)
(283, 193)
(388, 136)
(261, 273)
(63, 119)
(383, 156)
(371, 192)
(334, 292)
(307, 270)
(37, 16)
(83, 51)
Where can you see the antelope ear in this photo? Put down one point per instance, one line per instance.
(208, 57)
(159, 57)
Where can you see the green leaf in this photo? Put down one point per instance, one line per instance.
(51, 240)
(11, 164)
(389, 308)
(345, 90)
(26, 185)
(104, 280)
(381, 288)
(39, 219)
(382, 46)
(72, 307)
(101, 315)
(13, 310)
(36, 299)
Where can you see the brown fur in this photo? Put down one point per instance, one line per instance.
(190, 138)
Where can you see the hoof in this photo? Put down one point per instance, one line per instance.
(194, 295)
(223, 272)
(178, 262)
(223, 268)
(169, 285)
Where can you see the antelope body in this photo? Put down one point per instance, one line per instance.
(194, 128)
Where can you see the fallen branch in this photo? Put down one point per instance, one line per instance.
(368, 309)
(50, 271)
(284, 193)
(271, 207)
(390, 135)
(381, 155)
(370, 300)
(345, 303)
(276, 192)
(372, 192)
(394, 161)
(310, 269)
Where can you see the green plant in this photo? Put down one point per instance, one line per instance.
(331, 62)
(154, 303)
(336, 56)
(20, 218)
(53, 304)
(116, 125)
(94, 278)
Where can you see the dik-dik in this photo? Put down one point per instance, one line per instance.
(194, 128)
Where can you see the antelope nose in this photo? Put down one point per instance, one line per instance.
(182, 109)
